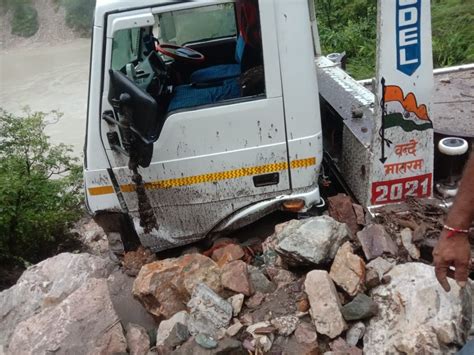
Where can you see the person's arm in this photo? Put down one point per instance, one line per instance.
(453, 248)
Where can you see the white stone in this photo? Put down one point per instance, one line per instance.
(407, 241)
(45, 285)
(83, 323)
(348, 270)
(137, 339)
(311, 241)
(234, 328)
(324, 302)
(354, 334)
(166, 326)
(414, 304)
(208, 311)
(236, 301)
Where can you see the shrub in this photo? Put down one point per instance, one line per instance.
(79, 15)
(39, 189)
(25, 18)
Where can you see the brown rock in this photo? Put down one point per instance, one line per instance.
(348, 270)
(235, 277)
(234, 251)
(325, 306)
(340, 208)
(375, 242)
(164, 287)
(302, 305)
(360, 214)
(281, 277)
(305, 333)
(255, 301)
(137, 339)
(339, 346)
(134, 260)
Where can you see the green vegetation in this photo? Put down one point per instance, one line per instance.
(453, 32)
(350, 26)
(40, 187)
(24, 20)
(79, 15)
(25, 17)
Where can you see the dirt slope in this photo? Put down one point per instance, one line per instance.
(52, 28)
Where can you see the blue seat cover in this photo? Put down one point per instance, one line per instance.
(223, 71)
(216, 72)
(189, 96)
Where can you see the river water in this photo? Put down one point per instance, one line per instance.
(46, 78)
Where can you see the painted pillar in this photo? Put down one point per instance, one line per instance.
(402, 143)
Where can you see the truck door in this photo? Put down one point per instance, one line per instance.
(211, 158)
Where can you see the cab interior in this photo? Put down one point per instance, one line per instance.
(190, 58)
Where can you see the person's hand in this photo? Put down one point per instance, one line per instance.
(453, 251)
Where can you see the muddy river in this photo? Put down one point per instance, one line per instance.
(46, 79)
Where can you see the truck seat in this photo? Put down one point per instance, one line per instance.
(223, 71)
(186, 96)
(248, 48)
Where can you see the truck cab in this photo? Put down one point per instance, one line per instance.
(203, 116)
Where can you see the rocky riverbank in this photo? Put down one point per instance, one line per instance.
(315, 286)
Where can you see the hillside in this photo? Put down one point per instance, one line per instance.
(350, 26)
(38, 22)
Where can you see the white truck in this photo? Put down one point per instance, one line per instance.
(203, 116)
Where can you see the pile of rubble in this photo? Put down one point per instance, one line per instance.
(315, 286)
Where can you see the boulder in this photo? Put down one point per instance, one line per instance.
(348, 270)
(92, 236)
(164, 287)
(406, 236)
(305, 333)
(45, 285)
(165, 328)
(134, 260)
(234, 328)
(355, 333)
(235, 277)
(311, 241)
(83, 323)
(361, 307)
(324, 302)
(342, 210)
(259, 281)
(231, 252)
(137, 339)
(414, 303)
(209, 313)
(280, 277)
(237, 302)
(375, 242)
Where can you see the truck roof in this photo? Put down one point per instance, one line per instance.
(107, 6)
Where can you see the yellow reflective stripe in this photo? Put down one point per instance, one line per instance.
(101, 190)
(212, 177)
(303, 163)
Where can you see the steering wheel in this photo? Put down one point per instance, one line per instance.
(179, 53)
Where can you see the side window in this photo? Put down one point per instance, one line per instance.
(125, 47)
(199, 24)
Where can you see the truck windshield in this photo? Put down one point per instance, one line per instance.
(125, 47)
(198, 24)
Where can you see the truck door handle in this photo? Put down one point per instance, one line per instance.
(266, 179)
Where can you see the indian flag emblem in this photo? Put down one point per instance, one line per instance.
(403, 111)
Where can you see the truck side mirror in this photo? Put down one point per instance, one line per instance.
(141, 108)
